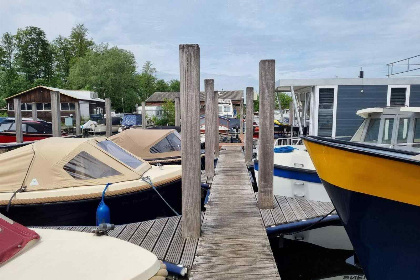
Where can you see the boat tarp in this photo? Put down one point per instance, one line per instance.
(139, 141)
(55, 163)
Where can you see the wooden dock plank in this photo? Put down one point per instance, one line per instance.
(177, 246)
(153, 234)
(234, 243)
(162, 244)
(141, 232)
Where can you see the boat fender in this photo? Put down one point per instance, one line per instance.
(176, 269)
(205, 186)
(283, 149)
(103, 214)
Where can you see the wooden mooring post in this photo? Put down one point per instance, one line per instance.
(18, 120)
(177, 112)
(34, 112)
(241, 119)
(216, 127)
(210, 128)
(143, 115)
(108, 117)
(55, 114)
(78, 118)
(189, 62)
(266, 137)
(249, 133)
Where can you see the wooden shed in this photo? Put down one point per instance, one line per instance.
(40, 97)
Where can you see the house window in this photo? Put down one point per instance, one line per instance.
(40, 106)
(398, 96)
(26, 106)
(65, 106)
(47, 106)
(10, 106)
(326, 112)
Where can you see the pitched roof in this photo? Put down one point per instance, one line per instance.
(77, 94)
(234, 95)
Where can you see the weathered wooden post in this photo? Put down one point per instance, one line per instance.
(143, 115)
(210, 128)
(249, 133)
(55, 114)
(34, 112)
(18, 120)
(177, 112)
(216, 121)
(108, 117)
(266, 145)
(241, 119)
(77, 116)
(189, 62)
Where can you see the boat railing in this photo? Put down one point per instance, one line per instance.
(288, 141)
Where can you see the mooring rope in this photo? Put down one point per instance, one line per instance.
(149, 181)
(310, 226)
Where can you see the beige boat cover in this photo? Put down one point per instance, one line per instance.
(139, 141)
(41, 165)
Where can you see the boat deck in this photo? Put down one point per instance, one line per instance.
(234, 242)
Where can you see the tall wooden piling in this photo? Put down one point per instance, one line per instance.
(210, 128)
(266, 137)
(249, 133)
(108, 117)
(216, 127)
(189, 62)
(77, 116)
(55, 113)
(34, 112)
(177, 111)
(241, 119)
(143, 115)
(18, 120)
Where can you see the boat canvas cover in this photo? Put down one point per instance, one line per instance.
(55, 163)
(139, 141)
(13, 238)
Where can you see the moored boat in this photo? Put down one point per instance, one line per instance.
(60, 181)
(32, 130)
(375, 192)
(60, 254)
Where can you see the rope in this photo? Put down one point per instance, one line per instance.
(147, 180)
(21, 189)
(310, 226)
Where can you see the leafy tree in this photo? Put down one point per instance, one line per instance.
(257, 104)
(147, 81)
(111, 72)
(285, 100)
(79, 43)
(168, 115)
(33, 54)
(7, 50)
(62, 56)
(174, 85)
(161, 85)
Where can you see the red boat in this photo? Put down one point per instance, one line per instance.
(32, 130)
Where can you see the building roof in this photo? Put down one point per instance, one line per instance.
(285, 84)
(234, 95)
(77, 94)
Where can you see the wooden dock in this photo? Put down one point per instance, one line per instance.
(233, 243)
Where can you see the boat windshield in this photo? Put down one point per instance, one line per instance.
(403, 130)
(387, 130)
(417, 131)
(170, 143)
(372, 131)
(120, 154)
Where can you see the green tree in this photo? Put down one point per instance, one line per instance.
(147, 81)
(161, 85)
(111, 72)
(33, 54)
(168, 115)
(62, 56)
(174, 85)
(79, 43)
(285, 100)
(257, 104)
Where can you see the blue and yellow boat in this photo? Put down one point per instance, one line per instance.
(376, 192)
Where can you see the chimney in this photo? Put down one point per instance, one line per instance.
(361, 73)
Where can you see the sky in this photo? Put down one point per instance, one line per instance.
(308, 39)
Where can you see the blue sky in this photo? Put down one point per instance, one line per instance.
(308, 39)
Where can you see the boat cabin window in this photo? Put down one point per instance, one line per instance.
(403, 130)
(417, 131)
(5, 126)
(120, 154)
(85, 167)
(372, 131)
(12, 128)
(170, 143)
(387, 131)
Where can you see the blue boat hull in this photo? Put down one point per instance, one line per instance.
(384, 233)
(294, 173)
